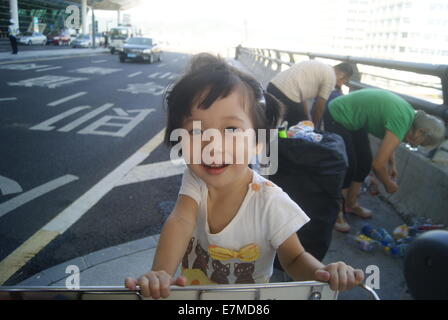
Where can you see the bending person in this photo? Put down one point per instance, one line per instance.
(304, 81)
(386, 116)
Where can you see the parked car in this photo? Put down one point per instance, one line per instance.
(82, 41)
(30, 38)
(141, 49)
(62, 39)
(85, 41)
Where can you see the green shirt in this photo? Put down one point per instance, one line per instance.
(374, 109)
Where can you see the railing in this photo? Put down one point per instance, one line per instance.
(275, 59)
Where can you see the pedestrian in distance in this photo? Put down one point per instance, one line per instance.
(307, 80)
(388, 117)
(228, 222)
(13, 33)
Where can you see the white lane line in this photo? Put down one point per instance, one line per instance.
(134, 74)
(161, 65)
(154, 171)
(77, 209)
(98, 61)
(73, 96)
(65, 219)
(165, 75)
(46, 69)
(154, 75)
(9, 186)
(8, 99)
(32, 194)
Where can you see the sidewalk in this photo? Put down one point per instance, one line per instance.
(46, 53)
(109, 267)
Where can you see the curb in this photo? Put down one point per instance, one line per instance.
(56, 275)
(55, 56)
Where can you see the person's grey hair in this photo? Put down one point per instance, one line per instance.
(434, 128)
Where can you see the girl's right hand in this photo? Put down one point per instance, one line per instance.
(155, 284)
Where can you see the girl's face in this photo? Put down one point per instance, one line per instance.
(228, 116)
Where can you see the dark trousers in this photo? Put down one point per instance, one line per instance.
(295, 111)
(13, 41)
(357, 146)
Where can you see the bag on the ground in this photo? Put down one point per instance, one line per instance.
(312, 175)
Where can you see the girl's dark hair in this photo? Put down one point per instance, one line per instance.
(208, 79)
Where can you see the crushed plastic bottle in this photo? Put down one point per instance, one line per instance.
(398, 250)
(304, 130)
(365, 243)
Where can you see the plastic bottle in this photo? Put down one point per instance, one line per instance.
(282, 132)
(401, 232)
(365, 243)
(386, 237)
(396, 250)
(372, 233)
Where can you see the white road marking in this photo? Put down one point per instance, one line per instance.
(98, 61)
(154, 75)
(9, 186)
(46, 69)
(65, 219)
(86, 117)
(32, 194)
(96, 70)
(77, 209)
(154, 171)
(23, 67)
(8, 99)
(134, 74)
(147, 88)
(165, 75)
(73, 96)
(46, 81)
(161, 65)
(46, 125)
(125, 128)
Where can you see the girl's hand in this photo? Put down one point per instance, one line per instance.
(339, 276)
(155, 284)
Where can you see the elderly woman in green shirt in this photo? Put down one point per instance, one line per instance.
(386, 116)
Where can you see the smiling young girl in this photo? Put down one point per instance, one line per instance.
(229, 222)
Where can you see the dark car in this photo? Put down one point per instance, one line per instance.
(140, 49)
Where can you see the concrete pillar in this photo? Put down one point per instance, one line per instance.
(118, 17)
(84, 22)
(14, 12)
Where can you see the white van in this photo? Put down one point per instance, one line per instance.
(118, 35)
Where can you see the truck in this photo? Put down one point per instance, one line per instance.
(118, 36)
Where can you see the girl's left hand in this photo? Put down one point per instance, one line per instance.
(339, 276)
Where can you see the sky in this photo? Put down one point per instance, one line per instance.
(229, 22)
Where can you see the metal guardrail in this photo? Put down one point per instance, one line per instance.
(270, 56)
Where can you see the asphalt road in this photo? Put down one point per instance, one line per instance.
(65, 125)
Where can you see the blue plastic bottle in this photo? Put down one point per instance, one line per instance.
(371, 232)
(386, 237)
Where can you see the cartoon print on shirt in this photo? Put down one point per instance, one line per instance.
(185, 258)
(220, 273)
(202, 258)
(243, 272)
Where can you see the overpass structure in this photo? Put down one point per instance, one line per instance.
(115, 5)
(423, 174)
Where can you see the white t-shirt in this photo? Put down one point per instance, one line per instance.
(244, 251)
(306, 80)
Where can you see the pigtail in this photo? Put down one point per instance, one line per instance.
(275, 110)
